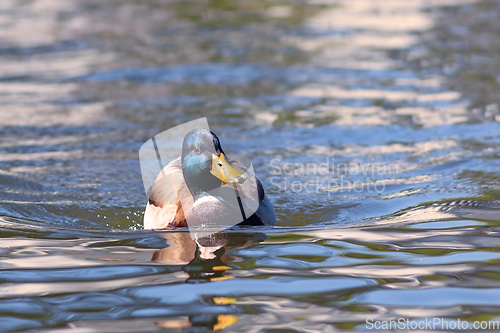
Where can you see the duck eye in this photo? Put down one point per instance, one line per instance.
(197, 151)
(220, 164)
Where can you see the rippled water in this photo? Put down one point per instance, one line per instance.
(373, 125)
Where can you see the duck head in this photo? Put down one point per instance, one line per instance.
(204, 163)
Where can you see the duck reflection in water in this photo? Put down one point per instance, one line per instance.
(205, 259)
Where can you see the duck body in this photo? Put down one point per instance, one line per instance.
(205, 188)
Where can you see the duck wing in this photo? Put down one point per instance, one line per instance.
(253, 197)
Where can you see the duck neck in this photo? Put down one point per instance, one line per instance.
(198, 192)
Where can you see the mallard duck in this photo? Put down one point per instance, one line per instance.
(205, 186)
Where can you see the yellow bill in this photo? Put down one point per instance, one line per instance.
(222, 170)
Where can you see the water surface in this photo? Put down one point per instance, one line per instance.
(373, 125)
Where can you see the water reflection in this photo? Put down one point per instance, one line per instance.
(206, 321)
(463, 45)
(205, 259)
(360, 81)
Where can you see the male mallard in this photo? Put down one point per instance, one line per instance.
(203, 185)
